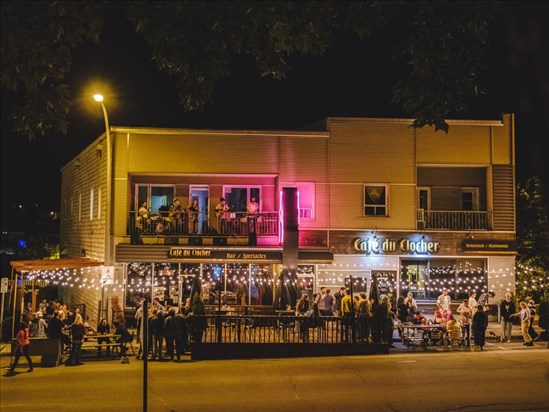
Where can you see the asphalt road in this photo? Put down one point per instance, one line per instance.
(498, 380)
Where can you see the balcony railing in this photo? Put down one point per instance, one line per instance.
(452, 220)
(237, 224)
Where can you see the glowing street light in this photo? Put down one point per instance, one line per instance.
(99, 98)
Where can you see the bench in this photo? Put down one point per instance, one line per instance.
(48, 348)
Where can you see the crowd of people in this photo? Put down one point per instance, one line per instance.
(364, 319)
(168, 331)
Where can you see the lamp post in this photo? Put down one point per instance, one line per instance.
(99, 98)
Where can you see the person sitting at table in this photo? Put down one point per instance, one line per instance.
(124, 337)
(103, 329)
(453, 329)
(439, 318)
(38, 326)
(419, 319)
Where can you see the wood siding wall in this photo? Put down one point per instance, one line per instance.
(78, 233)
(504, 198)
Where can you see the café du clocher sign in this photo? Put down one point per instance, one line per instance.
(377, 245)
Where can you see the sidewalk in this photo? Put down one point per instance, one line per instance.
(493, 333)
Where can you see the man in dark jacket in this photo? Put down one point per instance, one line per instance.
(55, 330)
(171, 332)
(158, 333)
(182, 334)
(506, 309)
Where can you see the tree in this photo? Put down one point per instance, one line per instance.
(37, 41)
(441, 45)
(532, 267)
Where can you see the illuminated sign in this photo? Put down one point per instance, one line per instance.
(378, 245)
(184, 253)
(474, 245)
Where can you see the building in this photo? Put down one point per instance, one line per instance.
(377, 199)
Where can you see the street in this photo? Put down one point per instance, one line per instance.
(502, 380)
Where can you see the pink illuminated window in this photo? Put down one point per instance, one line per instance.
(306, 192)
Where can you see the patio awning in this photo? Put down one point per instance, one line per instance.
(53, 264)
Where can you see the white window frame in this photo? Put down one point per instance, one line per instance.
(365, 205)
(91, 203)
(99, 204)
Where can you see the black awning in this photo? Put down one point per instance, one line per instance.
(315, 256)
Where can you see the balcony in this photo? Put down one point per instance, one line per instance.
(236, 224)
(452, 219)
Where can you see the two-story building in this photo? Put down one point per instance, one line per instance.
(417, 210)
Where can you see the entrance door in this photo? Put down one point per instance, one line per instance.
(202, 194)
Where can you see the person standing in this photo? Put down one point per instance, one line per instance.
(525, 316)
(22, 347)
(338, 298)
(532, 306)
(222, 216)
(480, 323)
(444, 301)
(55, 330)
(348, 310)
(193, 211)
(78, 331)
(252, 209)
(182, 335)
(329, 302)
(158, 332)
(466, 316)
(171, 332)
(176, 215)
(411, 306)
(506, 309)
(364, 316)
(319, 300)
(484, 298)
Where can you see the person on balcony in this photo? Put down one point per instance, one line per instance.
(193, 211)
(143, 217)
(252, 209)
(222, 216)
(176, 215)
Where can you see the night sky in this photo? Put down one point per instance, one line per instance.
(354, 78)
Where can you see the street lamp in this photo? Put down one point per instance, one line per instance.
(99, 98)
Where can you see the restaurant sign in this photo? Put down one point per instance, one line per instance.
(476, 245)
(184, 253)
(379, 245)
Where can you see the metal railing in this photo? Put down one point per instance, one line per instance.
(280, 329)
(453, 220)
(234, 223)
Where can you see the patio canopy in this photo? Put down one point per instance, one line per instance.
(53, 264)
